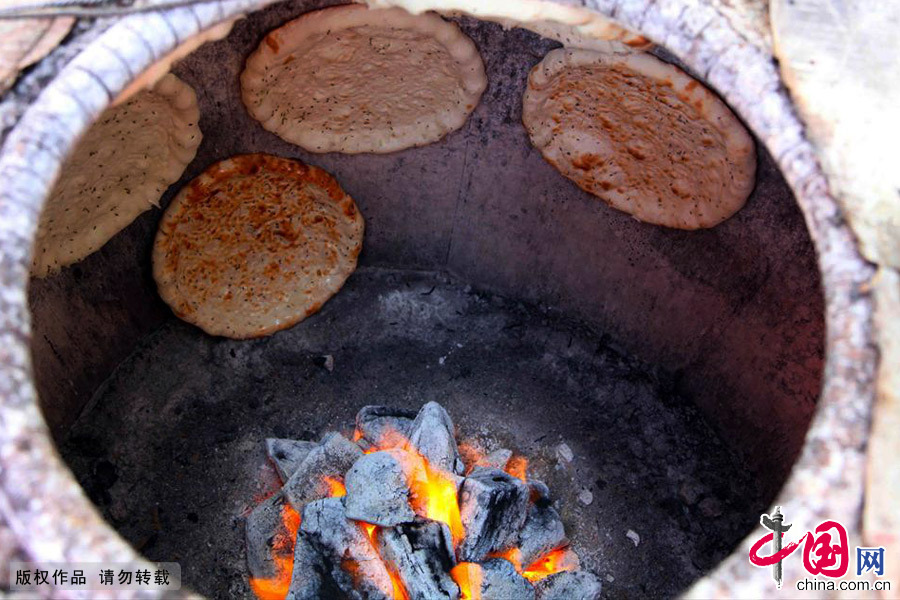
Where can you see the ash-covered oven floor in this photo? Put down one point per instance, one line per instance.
(172, 446)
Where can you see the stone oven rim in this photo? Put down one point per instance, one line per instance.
(40, 498)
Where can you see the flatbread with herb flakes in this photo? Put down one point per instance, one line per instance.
(118, 170)
(641, 135)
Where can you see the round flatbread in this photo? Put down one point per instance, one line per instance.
(255, 244)
(640, 134)
(351, 79)
(118, 170)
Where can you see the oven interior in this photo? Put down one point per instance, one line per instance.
(680, 368)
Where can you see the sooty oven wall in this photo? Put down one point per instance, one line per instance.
(734, 313)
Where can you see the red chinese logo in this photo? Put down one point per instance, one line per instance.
(826, 550)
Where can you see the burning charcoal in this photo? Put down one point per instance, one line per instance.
(542, 533)
(501, 581)
(331, 458)
(538, 490)
(496, 459)
(569, 585)
(264, 525)
(349, 556)
(378, 487)
(287, 455)
(493, 507)
(432, 435)
(422, 554)
(309, 576)
(383, 426)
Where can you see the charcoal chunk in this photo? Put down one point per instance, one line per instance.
(263, 527)
(433, 436)
(378, 487)
(501, 581)
(496, 459)
(309, 579)
(331, 458)
(383, 426)
(349, 555)
(569, 585)
(542, 533)
(287, 455)
(493, 507)
(422, 554)
(539, 491)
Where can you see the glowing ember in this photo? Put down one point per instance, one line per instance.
(336, 487)
(399, 589)
(517, 467)
(513, 555)
(433, 494)
(470, 454)
(468, 577)
(555, 562)
(370, 531)
(276, 588)
(559, 560)
(436, 496)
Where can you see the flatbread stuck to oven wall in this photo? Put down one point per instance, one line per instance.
(351, 79)
(640, 134)
(118, 170)
(255, 244)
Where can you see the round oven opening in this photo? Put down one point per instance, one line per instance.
(660, 381)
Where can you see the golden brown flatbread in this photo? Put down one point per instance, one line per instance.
(640, 134)
(351, 79)
(255, 244)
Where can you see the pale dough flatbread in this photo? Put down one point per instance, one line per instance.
(640, 134)
(351, 79)
(118, 170)
(255, 244)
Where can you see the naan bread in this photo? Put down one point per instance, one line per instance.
(118, 170)
(255, 244)
(351, 79)
(641, 135)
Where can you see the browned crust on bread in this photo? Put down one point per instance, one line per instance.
(256, 238)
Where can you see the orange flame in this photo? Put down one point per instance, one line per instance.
(276, 588)
(435, 494)
(518, 467)
(470, 454)
(433, 491)
(399, 588)
(513, 555)
(336, 487)
(559, 560)
(369, 530)
(468, 576)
